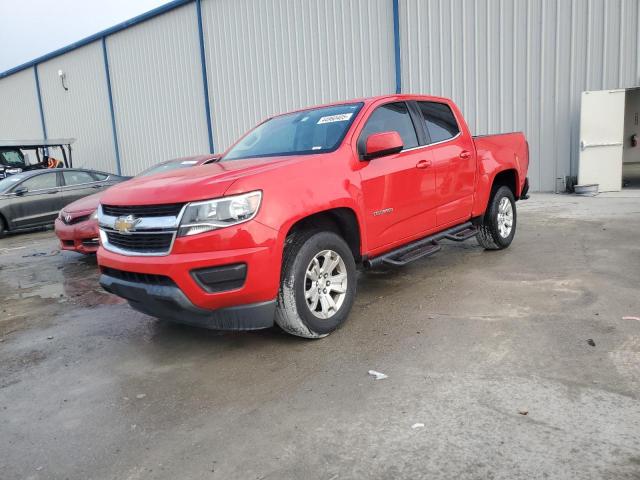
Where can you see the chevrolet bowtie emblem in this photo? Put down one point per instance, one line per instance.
(126, 224)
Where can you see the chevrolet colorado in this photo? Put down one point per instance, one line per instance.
(274, 231)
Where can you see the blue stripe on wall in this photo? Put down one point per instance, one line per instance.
(396, 42)
(205, 82)
(44, 126)
(113, 116)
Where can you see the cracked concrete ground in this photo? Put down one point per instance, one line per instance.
(90, 389)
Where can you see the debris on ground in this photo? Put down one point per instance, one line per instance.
(523, 411)
(631, 318)
(42, 254)
(50, 337)
(140, 396)
(591, 342)
(417, 425)
(377, 375)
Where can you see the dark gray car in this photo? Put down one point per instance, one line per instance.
(34, 198)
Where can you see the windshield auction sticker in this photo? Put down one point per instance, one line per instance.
(342, 117)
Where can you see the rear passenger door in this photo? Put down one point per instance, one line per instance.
(398, 189)
(78, 184)
(453, 160)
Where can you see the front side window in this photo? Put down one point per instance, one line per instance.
(307, 132)
(43, 181)
(439, 121)
(77, 178)
(391, 117)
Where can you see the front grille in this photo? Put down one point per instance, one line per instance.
(141, 242)
(148, 278)
(167, 210)
(73, 221)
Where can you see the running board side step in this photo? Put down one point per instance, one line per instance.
(423, 247)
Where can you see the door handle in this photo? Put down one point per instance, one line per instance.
(465, 154)
(423, 164)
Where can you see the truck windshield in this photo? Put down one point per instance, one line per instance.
(307, 132)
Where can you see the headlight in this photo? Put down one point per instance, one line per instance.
(199, 217)
(94, 215)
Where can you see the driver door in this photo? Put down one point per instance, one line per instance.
(39, 204)
(398, 189)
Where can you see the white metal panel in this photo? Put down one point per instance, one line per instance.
(522, 65)
(158, 96)
(601, 135)
(82, 111)
(272, 56)
(20, 118)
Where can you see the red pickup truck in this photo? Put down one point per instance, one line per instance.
(274, 231)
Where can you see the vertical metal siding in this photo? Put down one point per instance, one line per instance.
(522, 65)
(82, 111)
(20, 118)
(156, 81)
(273, 56)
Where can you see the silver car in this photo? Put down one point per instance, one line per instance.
(34, 198)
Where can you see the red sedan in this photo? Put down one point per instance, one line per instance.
(77, 224)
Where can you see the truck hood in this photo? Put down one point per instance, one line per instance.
(85, 204)
(190, 184)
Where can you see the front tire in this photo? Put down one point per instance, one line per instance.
(3, 228)
(318, 284)
(499, 223)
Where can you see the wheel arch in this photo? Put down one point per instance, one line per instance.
(508, 178)
(341, 220)
(3, 219)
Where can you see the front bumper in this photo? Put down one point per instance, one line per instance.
(81, 237)
(183, 297)
(170, 303)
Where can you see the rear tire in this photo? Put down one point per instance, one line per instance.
(499, 223)
(318, 284)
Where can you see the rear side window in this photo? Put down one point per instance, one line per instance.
(439, 121)
(391, 117)
(99, 176)
(77, 178)
(43, 181)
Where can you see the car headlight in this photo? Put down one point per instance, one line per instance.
(94, 215)
(199, 217)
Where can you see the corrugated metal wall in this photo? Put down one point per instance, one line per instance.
(156, 81)
(509, 64)
(82, 111)
(272, 56)
(522, 65)
(20, 114)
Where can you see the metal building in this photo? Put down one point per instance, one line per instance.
(191, 76)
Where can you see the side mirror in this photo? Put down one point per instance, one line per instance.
(19, 191)
(381, 144)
